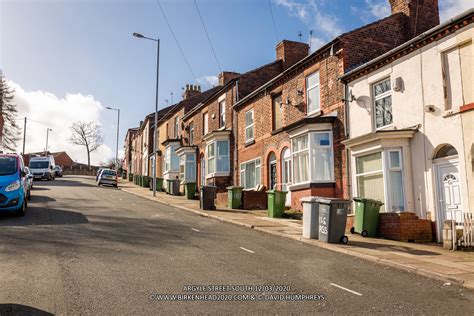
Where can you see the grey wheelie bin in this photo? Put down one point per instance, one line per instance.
(332, 220)
(173, 186)
(207, 196)
(310, 217)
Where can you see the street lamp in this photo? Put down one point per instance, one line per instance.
(156, 104)
(47, 135)
(118, 125)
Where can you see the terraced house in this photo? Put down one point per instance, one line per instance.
(290, 130)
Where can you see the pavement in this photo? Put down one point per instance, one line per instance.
(428, 259)
(88, 250)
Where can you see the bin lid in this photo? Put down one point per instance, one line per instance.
(231, 188)
(327, 200)
(273, 191)
(310, 199)
(365, 200)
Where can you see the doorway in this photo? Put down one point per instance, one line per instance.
(286, 174)
(272, 172)
(203, 170)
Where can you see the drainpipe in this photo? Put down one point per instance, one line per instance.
(347, 135)
(235, 132)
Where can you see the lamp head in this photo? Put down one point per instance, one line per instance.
(138, 35)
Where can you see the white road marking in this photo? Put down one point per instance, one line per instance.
(248, 250)
(196, 230)
(346, 289)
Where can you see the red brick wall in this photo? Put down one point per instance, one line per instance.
(422, 15)
(63, 160)
(404, 226)
(291, 52)
(253, 200)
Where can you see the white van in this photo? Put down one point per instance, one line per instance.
(43, 167)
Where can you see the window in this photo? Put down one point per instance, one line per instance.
(222, 114)
(218, 157)
(191, 133)
(171, 159)
(382, 181)
(176, 127)
(205, 123)
(382, 103)
(187, 167)
(312, 93)
(249, 132)
(446, 151)
(313, 157)
(250, 174)
(457, 75)
(277, 112)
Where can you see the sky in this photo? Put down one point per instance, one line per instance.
(70, 59)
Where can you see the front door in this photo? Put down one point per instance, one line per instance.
(203, 171)
(286, 174)
(449, 194)
(273, 176)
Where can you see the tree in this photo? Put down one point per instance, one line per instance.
(9, 130)
(87, 134)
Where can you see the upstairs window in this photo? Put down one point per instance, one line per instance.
(277, 112)
(312, 93)
(222, 113)
(191, 133)
(249, 132)
(205, 123)
(176, 127)
(382, 93)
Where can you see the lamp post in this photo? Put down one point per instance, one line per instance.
(156, 103)
(47, 135)
(118, 125)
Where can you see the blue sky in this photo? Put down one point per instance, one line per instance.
(80, 55)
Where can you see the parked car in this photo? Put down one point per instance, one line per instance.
(13, 184)
(107, 176)
(43, 167)
(58, 171)
(29, 182)
(98, 174)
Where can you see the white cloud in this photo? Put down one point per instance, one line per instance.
(208, 82)
(451, 8)
(46, 110)
(373, 10)
(325, 26)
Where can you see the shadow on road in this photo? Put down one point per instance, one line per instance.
(65, 182)
(40, 199)
(43, 216)
(39, 188)
(22, 310)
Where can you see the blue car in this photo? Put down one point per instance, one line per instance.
(13, 184)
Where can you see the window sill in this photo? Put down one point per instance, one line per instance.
(218, 174)
(249, 142)
(309, 185)
(314, 113)
(277, 131)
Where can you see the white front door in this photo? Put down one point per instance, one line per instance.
(286, 174)
(203, 171)
(449, 194)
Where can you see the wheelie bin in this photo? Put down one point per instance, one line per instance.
(173, 186)
(146, 181)
(130, 177)
(190, 190)
(276, 203)
(207, 197)
(310, 217)
(332, 220)
(366, 218)
(234, 197)
(159, 184)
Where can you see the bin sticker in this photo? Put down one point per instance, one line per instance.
(323, 224)
(340, 211)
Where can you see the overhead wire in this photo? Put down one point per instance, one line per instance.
(207, 35)
(273, 21)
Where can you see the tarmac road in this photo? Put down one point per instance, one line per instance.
(83, 249)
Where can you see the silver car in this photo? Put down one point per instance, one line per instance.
(107, 176)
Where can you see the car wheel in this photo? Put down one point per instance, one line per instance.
(21, 211)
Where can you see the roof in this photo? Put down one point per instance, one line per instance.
(246, 86)
(411, 45)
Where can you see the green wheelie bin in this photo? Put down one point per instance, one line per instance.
(276, 203)
(130, 177)
(366, 217)
(190, 190)
(234, 197)
(146, 181)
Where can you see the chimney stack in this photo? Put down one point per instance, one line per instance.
(291, 52)
(422, 15)
(226, 76)
(191, 90)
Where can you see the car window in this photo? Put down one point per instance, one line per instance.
(8, 166)
(109, 173)
(39, 164)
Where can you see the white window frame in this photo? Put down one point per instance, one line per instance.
(222, 114)
(309, 88)
(250, 126)
(310, 146)
(191, 133)
(205, 123)
(215, 158)
(183, 163)
(176, 127)
(243, 171)
(380, 97)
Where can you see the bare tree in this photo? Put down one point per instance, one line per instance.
(9, 130)
(87, 134)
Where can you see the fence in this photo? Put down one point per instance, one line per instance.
(467, 231)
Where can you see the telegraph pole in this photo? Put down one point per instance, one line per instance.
(24, 136)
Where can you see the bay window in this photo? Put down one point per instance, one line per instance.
(313, 157)
(249, 131)
(250, 174)
(171, 159)
(379, 176)
(218, 157)
(312, 93)
(187, 167)
(382, 94)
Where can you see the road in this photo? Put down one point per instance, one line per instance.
(83, 249)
